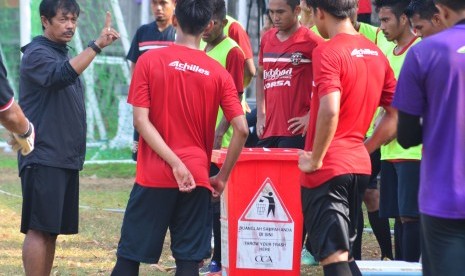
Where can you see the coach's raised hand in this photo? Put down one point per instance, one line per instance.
(108, 34)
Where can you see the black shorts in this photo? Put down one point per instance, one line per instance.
(50, 200)
(375, 158)
(331, 213)
(398, 195)
(294, 142)
(149, 214)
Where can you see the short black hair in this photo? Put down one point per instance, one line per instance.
(456, 5)
(424, 8)
(340, 9)
(49, 8)
(219, 9)
(398, 7)
(293, 3)
(193, 15)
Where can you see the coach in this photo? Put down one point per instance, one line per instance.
(52, 97)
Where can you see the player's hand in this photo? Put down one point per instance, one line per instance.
(218, 186)
(25, 144)
(261, 119)
(184, 178)
(298, 124)
(108, 34)
(306, 162)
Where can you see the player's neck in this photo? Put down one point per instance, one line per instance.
(215, 42)
(189, 41)
(337, 26)
(457, 17)
(404, 40)
(283, 35)
(162, 25)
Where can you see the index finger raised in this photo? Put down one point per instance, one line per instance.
(108, 20)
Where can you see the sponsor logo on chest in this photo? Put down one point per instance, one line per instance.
(180, 66)
(363, 52)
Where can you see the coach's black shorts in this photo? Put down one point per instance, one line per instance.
(294, 142)
(331, 213)
(151, 211)
(50, 200)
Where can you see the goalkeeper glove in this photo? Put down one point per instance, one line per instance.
(23, 142)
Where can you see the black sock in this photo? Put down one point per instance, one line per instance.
(187, 268)
(216, 238)
(398, 239)
(382, 233)
(411, 241)
(125, 267)
(354, 269)
(357, 245)
(337, 269)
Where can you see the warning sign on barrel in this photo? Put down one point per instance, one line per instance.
(265, 238)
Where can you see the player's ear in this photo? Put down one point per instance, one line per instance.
(319, 13)
(297, 10)
(45, 22)
(175, 21)
(404, 19)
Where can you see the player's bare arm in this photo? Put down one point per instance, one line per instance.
(326, 125)
(249, 71)
(13, 119)
(219, 132)
(385, 131)
(260, 99)
(240, 133)
(22, 131)
(153, 138)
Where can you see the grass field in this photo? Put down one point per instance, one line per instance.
(92, 251)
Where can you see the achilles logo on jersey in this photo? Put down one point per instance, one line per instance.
(276, 74)
(188, 67)
(364, 52)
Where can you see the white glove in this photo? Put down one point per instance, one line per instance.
(24, 142)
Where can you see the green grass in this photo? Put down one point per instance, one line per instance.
(109, 170)
(92, 251)
(8, 161)
(103, 153)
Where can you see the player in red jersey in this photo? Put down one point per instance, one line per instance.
(351, 79)
(284, 78)
(176, 92)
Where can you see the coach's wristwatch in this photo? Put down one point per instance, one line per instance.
(94, 46)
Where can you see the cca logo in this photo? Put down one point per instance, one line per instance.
(263, 259)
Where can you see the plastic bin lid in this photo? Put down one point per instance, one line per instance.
(252, 154)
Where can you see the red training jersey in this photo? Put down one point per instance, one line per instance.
(238, 34)
(183, 89)
(358, 69)
(287, 78)
(235, 67)
(364, 6)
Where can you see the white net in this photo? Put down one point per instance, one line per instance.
(106, 80)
